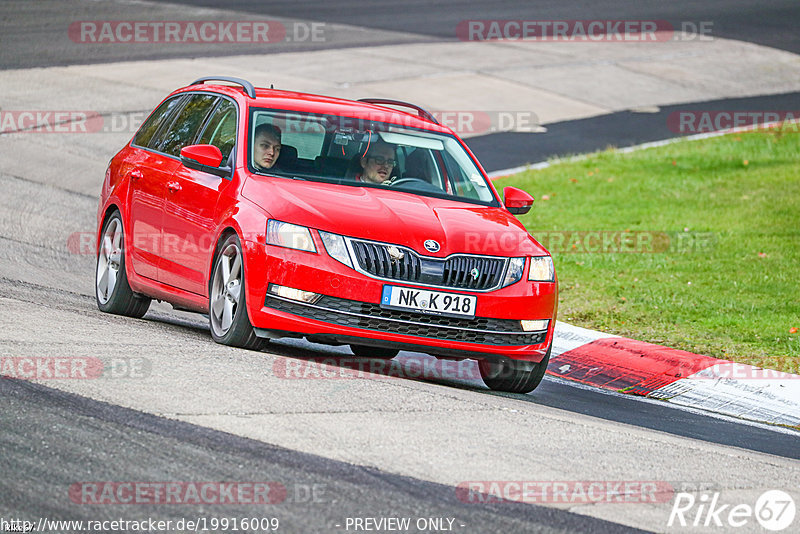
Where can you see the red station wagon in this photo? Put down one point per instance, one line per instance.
(345, 222)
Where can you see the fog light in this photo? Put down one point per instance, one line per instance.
(294, 294)
(534, 326)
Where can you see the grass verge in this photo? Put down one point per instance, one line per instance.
(694, 245)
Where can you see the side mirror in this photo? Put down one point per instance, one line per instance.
(517, 201)
(205, 158)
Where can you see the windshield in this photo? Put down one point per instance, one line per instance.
(363, 153)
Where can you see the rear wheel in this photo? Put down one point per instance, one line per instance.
(228, 318)
(363, 351)
(513, 377)
(112, 291)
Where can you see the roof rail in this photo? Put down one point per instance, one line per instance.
(248, 87)
(387, 101)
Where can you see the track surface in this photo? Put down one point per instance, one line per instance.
(40, 465)
(374, 447)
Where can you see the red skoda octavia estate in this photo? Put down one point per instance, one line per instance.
(287, 214)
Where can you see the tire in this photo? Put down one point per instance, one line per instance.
(111, 288)
(227, 304)
(508, 377)
(363, 351)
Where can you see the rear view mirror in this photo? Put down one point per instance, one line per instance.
(517, 201)
(205, 158)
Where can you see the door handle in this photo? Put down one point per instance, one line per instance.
(173, 186)
(136, 174)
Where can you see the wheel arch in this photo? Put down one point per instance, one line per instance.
(110, 208)
(247, 220)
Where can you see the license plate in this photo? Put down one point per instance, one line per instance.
(431, 302)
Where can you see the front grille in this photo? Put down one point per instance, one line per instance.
(372, 317)
(459, 271)
(375, 259)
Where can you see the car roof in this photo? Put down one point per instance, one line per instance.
(320, 104)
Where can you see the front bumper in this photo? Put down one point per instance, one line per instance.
(349, 310)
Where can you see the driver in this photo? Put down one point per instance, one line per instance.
(377, 164)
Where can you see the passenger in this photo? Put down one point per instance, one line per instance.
(266, 146)
(378, 163)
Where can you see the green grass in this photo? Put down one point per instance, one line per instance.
(725, 217)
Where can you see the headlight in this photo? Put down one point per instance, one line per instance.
(542, 269)
(514, 271)
(336, 248)
(289, 235)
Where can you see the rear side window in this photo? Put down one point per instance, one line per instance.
(184, 129)
(220, 130)
(156, 119)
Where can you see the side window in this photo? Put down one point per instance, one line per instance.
(220, 130)
(184, 128)
(308, 140)
(150, 126)
(458, 179)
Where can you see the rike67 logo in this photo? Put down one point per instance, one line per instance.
(774, 511)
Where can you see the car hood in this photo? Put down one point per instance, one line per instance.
(393, 216)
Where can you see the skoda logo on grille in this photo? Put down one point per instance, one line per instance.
(474, 273)
(431, 245)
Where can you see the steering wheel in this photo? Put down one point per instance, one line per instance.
(410, 180)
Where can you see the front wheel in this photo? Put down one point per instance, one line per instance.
(230, 324)
(512, 377)
(112, 291)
